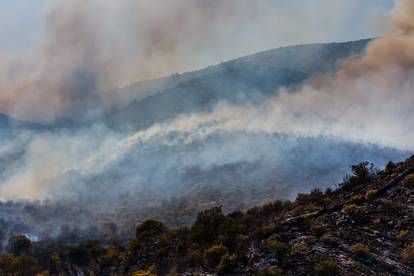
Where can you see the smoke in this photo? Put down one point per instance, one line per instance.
(94, 46)
(89, 48)
(368, 100)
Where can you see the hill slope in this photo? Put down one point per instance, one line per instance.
(362, 228)
(247, 79)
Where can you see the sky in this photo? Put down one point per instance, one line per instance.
(20, 23)
(279, 23)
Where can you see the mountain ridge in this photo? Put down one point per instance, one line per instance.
(252, 78)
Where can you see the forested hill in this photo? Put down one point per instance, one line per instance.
(364, 227)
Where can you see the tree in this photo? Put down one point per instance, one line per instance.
(326, 268)
(150, 229)
(214, 254)
(205, 228)
(78, 255)
(19, 245)
(2, 236)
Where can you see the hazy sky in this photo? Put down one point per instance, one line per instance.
(20, 23)
(61, 49)
(284, 23)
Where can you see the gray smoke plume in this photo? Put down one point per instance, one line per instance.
(368, 100)
(89, 48)
(93, 46)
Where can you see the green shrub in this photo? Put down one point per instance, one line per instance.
(360, 249)
(264, 232)
(357, 198)
(227, 265)
(19, 245)
(205, 229)
(298, 248)
(370, 194)
(194, 258)
(403, 234)
(6, 264)
(308, 208)
(326, 268)
(325, 237)
(362, 173)
(214, 254)
(409, 179)
(278, 249)
(147, 272)
(389, 167)
(317, 229)
(408, 253)
(242, 243)
(78, 255)
(17, 265)
(149, 229)
(315, 196)
(272, 207)
(271, 271)
(350, 208)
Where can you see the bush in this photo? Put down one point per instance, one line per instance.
(149, 229)
(111, 258)
(214, 254)
(357, 198)
(362, 173)
(298, 248)
(205, 228)
(271, 271)
(272, 207)
(325, 237)
(20, 265)
(370, 194)
(389, 167)
(278, 249)
(78, 255)
(264, 232)
(326, 268)
(19, 245)
(148, 272)
(25, 265)
(409, 179)
(317, 229)
(227, 265)
(408, 253)
(315, 196)
(194, 258)
(6, 264)
(242, 244)
(350, 208)
(308, 208)
(403, 234)
(360, 249)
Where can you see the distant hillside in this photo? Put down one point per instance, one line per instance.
(247, 79)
